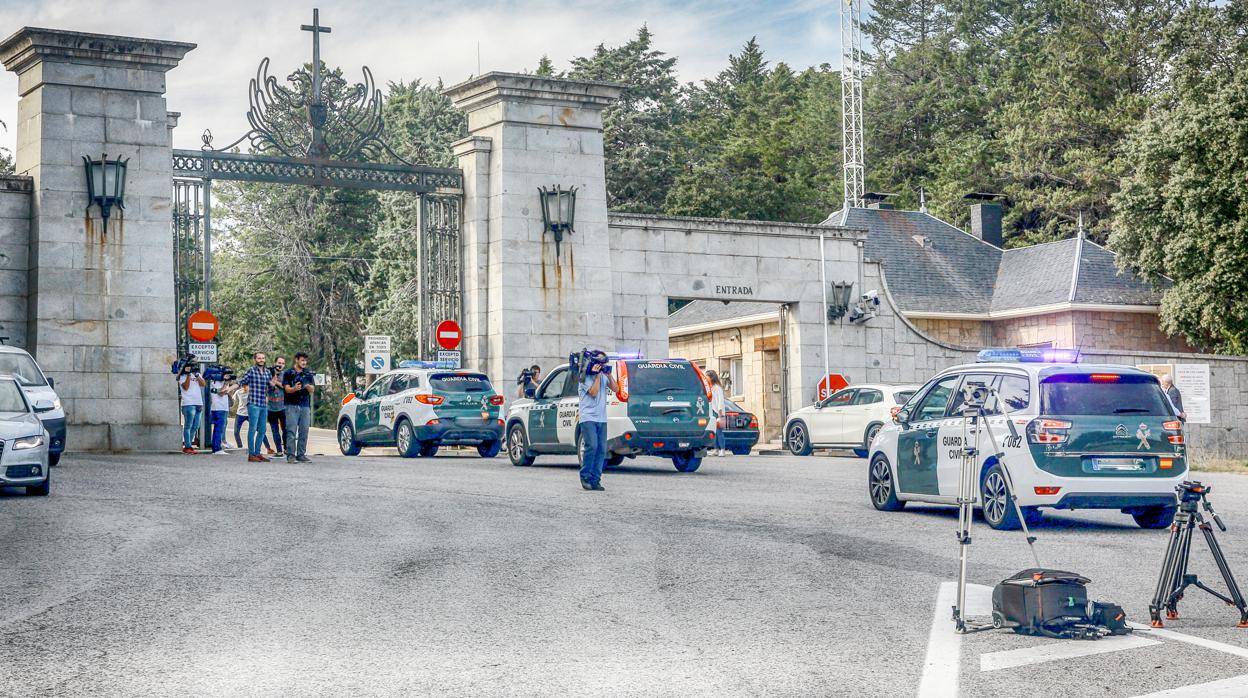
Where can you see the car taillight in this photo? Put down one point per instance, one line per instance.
(496, 400)
(1174, 438)
(1175, 425)
(621, 381)
(706, 382)
(1104, 377)
(753, 422)
(1048, 431)
(1047, 491)
(702, 422)
(430, 399)
(433, 421)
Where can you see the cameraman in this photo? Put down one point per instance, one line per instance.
(218, 415)
(277, 408)
(593, 410)
(191, 385)
(529, 379)
(298, 383)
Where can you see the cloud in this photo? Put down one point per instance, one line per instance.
(402, 40)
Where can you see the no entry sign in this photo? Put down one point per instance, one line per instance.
(202, 326)
(448, 334)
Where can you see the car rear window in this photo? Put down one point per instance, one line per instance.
(901, 397)
(459, 383)
(662, 377)
(1102, 393)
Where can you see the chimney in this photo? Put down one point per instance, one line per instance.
(876, 200)
(986, 217)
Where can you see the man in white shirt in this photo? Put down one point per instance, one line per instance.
(191, 385)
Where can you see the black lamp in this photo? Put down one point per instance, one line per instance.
(558, 211)
(839, 300)
(106, 184)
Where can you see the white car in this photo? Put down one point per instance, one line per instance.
(1072, 436)
(39, 391)
(23, 440)
(849, 418)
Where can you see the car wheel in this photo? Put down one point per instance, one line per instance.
(346, 439)
(518, 446)
(489, 449)
(881, 487)
(41, 490)
(1155, 517)
(614, 459)
(869, 437)
(405, 439)
(686, 462)
(54, 458)
(995, 501)
(798, 439)
(428, 450)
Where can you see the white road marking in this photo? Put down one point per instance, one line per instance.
(944, 644)
(1053, 650)
(1193, 640)
(1234, 687)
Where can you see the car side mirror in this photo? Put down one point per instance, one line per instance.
(898, 417)
(51, 382)
(43, 405)
(529, 392)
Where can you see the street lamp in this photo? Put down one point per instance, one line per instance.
(106, 184)
(558, 211)
(839, 302)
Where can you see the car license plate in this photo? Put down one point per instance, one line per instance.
(683, 444)
(1118, 464)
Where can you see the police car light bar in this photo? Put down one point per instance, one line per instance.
(412, 363)
(1029, 355)
(620, 356)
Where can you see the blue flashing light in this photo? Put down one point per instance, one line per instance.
(412, 363)
(629, 356)
(1029, 355)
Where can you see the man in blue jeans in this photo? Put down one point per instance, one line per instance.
(593, 409)
(298, 383)
(258, 380)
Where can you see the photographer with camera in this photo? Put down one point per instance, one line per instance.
(298, 383)
(594, 370)
(218, 414)
(529, 378)
(191, 384)
(277, 408)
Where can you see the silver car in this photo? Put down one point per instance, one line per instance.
(23, 440)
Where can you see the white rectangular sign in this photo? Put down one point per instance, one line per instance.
(1192, 380)
(204, 352)
(448, 359)
(376, 362)
(320, 379)
(377, 344)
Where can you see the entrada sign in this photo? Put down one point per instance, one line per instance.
(734, 290)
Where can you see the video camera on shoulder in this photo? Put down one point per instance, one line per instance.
(526, 375)
(186, 366)
(217, 372)
(588, 362)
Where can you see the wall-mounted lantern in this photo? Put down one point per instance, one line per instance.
(838, 300)
(558, 211)
(106, 184)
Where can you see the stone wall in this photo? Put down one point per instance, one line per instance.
(1053, 328)
(1104, 330)
(716, 349)
(971, 333)
(15, 194)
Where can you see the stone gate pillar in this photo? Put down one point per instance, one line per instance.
(101, 302)
(525, 300)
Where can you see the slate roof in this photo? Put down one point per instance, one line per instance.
(700, 312)
(1034, 276)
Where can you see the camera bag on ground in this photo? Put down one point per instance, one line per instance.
(1053, 603)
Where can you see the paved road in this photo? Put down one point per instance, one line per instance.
(177, 575)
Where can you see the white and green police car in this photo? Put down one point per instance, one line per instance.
(420, 407)
(662, 409)
(1084, 437)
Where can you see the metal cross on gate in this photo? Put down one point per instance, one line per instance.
(317, 113)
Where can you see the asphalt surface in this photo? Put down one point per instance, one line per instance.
(170, 575)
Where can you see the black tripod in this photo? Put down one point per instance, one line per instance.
(1174, 577)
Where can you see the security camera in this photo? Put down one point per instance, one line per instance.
(872, 297)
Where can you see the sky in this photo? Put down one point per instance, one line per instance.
(405, 40)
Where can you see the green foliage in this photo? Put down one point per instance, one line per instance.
(1182, 212)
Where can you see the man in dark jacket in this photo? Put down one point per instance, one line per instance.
(1172, 392)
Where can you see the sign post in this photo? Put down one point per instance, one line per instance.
(202, 327)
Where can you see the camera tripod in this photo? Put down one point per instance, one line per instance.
(1174, 578)
(974, 418)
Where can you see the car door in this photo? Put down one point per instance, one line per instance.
(827, 420)
(860, 414)
(955, 429)
(391, 405)
(569, 411)
(368, 412)
(918, 442)
(543, 414)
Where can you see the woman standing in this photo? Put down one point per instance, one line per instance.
(717, 412)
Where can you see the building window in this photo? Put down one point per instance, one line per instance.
(731, 370)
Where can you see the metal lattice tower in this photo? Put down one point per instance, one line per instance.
(851, 102)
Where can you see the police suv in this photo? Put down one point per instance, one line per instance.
(1084, 437)
(662, 409)
(420, 407)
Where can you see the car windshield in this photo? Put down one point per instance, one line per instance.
(22, 367)
(1102, 393)
(650, 377)
(901, 397)
(12, 399)
(459, 383)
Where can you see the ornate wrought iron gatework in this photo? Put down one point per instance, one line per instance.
(340, 144)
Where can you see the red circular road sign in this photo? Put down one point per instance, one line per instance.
(202, 326)
(830, 384)
(448, 334)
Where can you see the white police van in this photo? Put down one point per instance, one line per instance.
(419, 408)
(662, 409)
(1084, 437)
